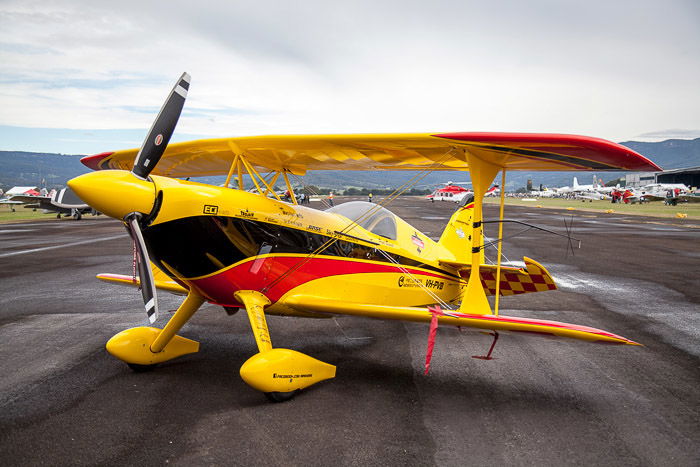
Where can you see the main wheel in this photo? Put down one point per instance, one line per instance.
(136, 368)
(280, 396)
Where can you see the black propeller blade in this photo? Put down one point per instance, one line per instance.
(157, 140)
(150, 153)
(148, 286)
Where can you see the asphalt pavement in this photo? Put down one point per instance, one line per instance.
(65, 401)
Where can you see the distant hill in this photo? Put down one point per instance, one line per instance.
(670, 154)
(30, 168)
(27, 168)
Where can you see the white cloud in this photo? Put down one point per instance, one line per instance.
(609, 69)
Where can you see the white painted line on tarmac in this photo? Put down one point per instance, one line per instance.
(82, 242)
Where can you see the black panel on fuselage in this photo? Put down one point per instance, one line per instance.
(201, 245)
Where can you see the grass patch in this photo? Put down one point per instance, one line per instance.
(653, 209)
(22, 214)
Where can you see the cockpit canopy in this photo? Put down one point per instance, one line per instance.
(370, 216)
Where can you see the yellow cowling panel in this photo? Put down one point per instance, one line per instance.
(134, 346)
(385, 288)
(284, 370)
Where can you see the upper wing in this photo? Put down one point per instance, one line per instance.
(442, 151)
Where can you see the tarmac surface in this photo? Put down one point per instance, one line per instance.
(65, 401)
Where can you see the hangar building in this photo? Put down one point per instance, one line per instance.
(690, 176)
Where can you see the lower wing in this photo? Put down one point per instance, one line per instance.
(492, 322)
(162, 281)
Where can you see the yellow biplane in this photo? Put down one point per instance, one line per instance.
(253, 251)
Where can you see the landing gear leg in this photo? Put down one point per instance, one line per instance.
(143, 348)
(278, 373)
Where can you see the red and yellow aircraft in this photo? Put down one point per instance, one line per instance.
(230, 247)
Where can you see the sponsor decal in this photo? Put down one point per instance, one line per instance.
(415, 282)
(291, 222)
(291, 377)
(275, 375)
(430, 283)
(247, 214)
(211, 209)
(314, 228)
(417, 242)
(158, 140)
(408, 283)
(460, 233)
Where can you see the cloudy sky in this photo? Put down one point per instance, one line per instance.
(89, 76)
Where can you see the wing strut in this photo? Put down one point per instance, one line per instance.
(289, 187)
(482, 173)
(500, 247)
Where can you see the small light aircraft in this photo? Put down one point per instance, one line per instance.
(241, 250)
(670, 193)
(62, 202)
(29, 191)
(590, 196)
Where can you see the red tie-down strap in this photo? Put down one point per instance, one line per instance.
(435, 311)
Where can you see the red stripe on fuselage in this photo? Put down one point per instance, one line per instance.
(258, 273)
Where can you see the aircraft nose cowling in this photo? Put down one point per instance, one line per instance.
(115, 193)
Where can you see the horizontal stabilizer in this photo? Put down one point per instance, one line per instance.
(450, 317)
(162, 281)
(533, 278)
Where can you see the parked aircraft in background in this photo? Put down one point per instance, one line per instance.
(670, 193)
(9, 202)
(63, 202)
(15, 191)
(450, 191)
(22, 190)
(662, 191)
(576, 188)
(544, 193)
(590, 196)
(493, 191)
